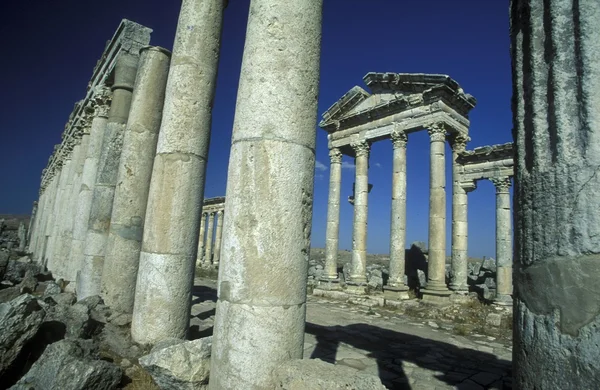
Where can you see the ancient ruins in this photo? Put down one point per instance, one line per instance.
(121, 212)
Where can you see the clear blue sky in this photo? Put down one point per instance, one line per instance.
(50, 49)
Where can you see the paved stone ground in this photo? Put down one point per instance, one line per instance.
(405, 353)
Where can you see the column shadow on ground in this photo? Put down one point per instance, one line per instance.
(397, 352)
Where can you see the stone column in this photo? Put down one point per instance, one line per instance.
(504, 248)
(48, 213)
(166, 270)
(22, 235)
(218, 234)
(333, 218)
(106, 178)
(100, 105)
(358, 269)
(209, 238)
(135, 168)
(261, 307)
(436, 279)
(32, 223)
(200, 253)
(458, 282)
(53, 257)
(555, 54)
(396, 286)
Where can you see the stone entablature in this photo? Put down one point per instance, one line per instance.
(486, 162)
(213, 205)
(130, 37)
(398, 101)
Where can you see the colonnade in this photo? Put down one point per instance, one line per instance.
(211, 232)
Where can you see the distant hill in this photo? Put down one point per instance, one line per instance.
(12, 220)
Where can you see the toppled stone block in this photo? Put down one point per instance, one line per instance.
(16, 270)
(317, 374)
(3, 263)
(71, 364)
(52, 288)
(488, 264)
(422, 278)
(493, 319)
(20, 320)
(76, 319)
(184, 365)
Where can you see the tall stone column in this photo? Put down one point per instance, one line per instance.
(436, 278)
(358, 269)
(100, 105)
(333, 217)
(46, 226)
(458, 282)
(53, 257)
(209, 238)
(106, 178)
(32, 223)
(396, 286)
(218, 237)
(170, 241)
(261, 305)
(34, 230)
(555, 50)
(200, 253)
(134, 172)
(504, 248)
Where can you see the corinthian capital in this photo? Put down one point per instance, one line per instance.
(502, 184)
(399, 137)
(437, 131)
(361, 148)
(101, 101)
(458, 142)
(335, 156)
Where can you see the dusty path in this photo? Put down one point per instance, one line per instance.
(405, 353)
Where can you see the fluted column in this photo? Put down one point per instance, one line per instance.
(396, 285)
(333, 216)
(458, 280)
(504, 285)
(53, 257)
(436, 278)
(555, 50)
(106, 179)
(99, 107)
(200, 254)
(261, 307)
(135, 168)
(218, 234)
(170, 241)
(358, 269)
(209, 238)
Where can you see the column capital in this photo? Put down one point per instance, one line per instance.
(220, 213)
(399, 137)
(361, 148)
(502, 184)
(458, 142)
(437, 131)
(335, 156)
(101, 101)
(468, 186)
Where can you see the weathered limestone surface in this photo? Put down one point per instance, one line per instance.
(358, 271)
(170, 239)
(261, 305)
(504, 259)
(100, 104)
(436, 266)
(218, 238)
(134, 172)
(59, 206)
(200, 253)
(398, 218)
(106, 178)
(333, 215)
(555, 54)
(209, 238)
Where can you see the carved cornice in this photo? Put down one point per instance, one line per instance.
(101, 101)
(437, 131)
(502, 184)
(335, 156)
(361, 148)
(399, 138)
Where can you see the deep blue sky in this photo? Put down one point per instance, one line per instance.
(50, 49)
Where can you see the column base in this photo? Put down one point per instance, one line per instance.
(503, 300)
(459, 288)
(356, 288)
(436, 296)
(396, 293)
(329, 284)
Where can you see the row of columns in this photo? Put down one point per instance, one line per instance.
(436, 285)
(209, 253)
